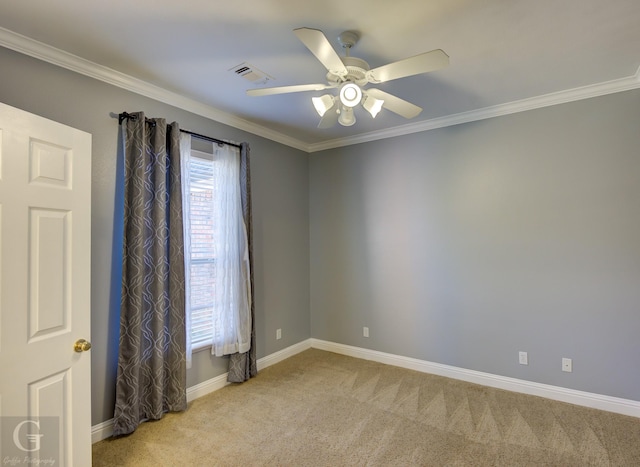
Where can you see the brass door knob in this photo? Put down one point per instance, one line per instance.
(81, 345)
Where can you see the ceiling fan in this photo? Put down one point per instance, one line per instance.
(350, 74)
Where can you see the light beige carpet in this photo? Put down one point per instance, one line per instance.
(323, 409)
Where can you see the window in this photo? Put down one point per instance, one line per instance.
(202, 260)
(217, 271)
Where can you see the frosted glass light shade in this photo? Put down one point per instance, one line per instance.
(347, 117)
(323, 103)
(372, 105)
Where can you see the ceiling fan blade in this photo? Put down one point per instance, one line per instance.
(287, 89)
(423, 63)
(330, 118)
(319, 45)
(395, 104)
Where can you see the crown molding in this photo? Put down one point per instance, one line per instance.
(44, 52)
(546, 100)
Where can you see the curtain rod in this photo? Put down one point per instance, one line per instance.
(209, 138)
(125, 115)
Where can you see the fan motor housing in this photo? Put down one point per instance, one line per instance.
(356, 68)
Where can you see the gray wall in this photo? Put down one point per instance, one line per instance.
(466, 244)
(280, 212)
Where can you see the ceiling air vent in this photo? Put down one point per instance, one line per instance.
(251, 74)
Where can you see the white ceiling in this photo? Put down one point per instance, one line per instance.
(504, 54)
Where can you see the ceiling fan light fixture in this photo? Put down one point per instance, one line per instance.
(347, 117)
(323, 103)
(372, 105)
(349, 74)
(350, 95)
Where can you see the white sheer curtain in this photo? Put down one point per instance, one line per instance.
(185, 167)
(231, 312)
(232, 293)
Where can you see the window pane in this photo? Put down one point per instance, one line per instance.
(202, 255)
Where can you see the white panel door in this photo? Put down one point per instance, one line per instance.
(45, 222)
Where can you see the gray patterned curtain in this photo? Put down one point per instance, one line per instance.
(151, 364)
(243, 366)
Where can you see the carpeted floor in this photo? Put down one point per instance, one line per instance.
(323, 409)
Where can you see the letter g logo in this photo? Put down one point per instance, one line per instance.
(33, 438)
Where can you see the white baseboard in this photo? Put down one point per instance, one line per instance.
(586, 399)
(283, 354)
(101, 431)
(104, 430)
(207, 387)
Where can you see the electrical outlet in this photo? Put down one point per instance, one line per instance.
(523, 358)
(365, 331)
(278, 334)
(567, 365)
